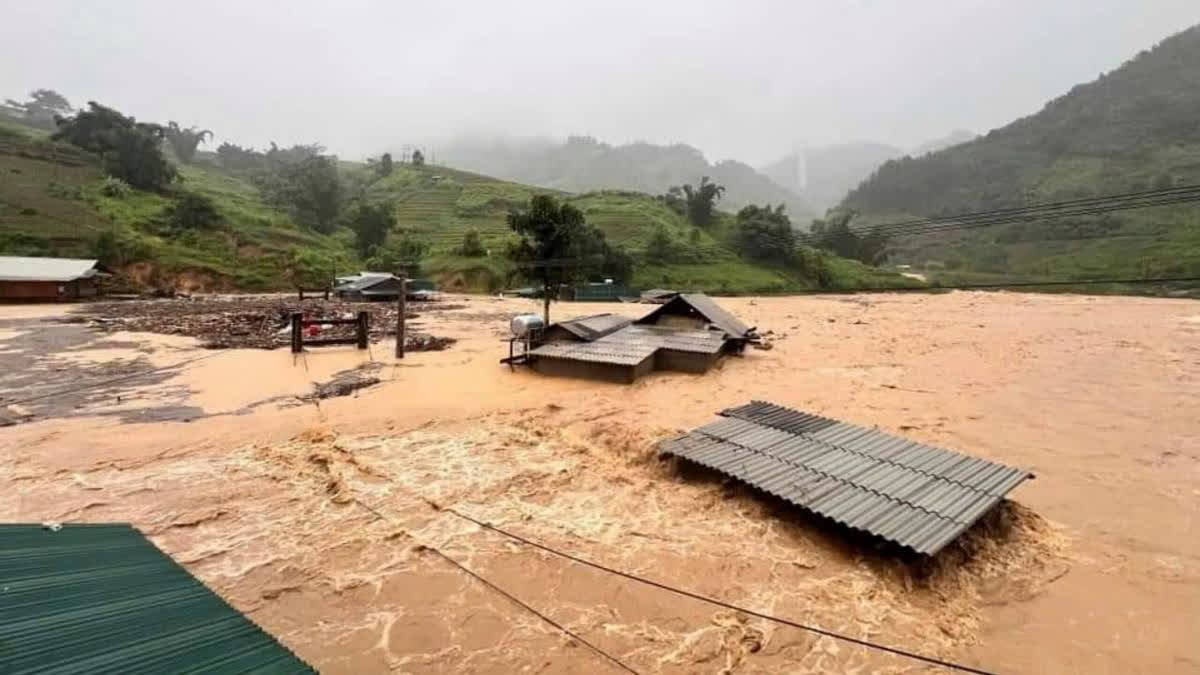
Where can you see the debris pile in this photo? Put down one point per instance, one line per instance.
(252, 322)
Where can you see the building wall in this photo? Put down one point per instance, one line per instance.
(685, 362)
(38, 291)
(607, 372)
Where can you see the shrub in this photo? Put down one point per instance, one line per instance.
(115, 187)
(192, 211)
(472, 246)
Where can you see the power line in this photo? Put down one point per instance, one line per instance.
(713, 601)
(506, 594)
(1074, 207)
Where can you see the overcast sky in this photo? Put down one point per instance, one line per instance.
(741, 79)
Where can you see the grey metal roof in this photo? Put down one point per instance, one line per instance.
(915, 495)
(595, 326)
(705, 307)
(20, 268)
(103, 599)
(662, 337)
(366, 281)
(619, 353)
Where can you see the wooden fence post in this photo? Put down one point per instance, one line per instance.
(401, 309)
(364, 319)
(297, 333)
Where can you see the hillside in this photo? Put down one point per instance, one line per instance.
(583, 164)
(52, 202)
(1135, 128)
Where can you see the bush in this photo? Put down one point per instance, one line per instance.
(192, 211)
(29, 211)
(472, 246)
(115, 187)
(63, 191)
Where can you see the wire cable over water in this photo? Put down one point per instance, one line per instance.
(515, 600)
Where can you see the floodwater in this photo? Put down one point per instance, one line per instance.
(314, 517)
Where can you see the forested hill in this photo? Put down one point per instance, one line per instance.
(584, 164)
(1137, 127)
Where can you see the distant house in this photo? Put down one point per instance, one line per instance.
(688, 333)
(48, 279)
(369, 286)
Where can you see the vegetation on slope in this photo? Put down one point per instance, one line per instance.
(236, 219)
(1133, 129)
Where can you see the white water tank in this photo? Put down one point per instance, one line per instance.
(523, 324)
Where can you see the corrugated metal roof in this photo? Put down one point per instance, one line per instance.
(20, 268)
(619, 353)
(102, 598)
(705, 307)
(595, 326)
(681, 340)
(365, 281)
(915, 495)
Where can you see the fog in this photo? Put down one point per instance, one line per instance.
(745, 80)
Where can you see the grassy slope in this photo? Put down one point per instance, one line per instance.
(1133, 129)
(51, 204)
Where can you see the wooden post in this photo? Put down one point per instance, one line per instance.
(364, 319)
(297, 333)
(401, 308)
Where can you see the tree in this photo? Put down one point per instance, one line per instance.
(765, 233)
(131, 150)
(371, 224)
(418, 158)
(400, 254)
(834, 234)
(556, 245)
(311, 189)
(235, 157)
(699, 201)
(472, 246)
(43, 108)
(385, 165)
(185, 141)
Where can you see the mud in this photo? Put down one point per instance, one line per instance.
(316, 520)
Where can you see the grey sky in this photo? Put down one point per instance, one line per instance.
(745, 80)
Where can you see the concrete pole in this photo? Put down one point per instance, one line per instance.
(401, 308)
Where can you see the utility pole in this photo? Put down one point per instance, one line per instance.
(401, 306)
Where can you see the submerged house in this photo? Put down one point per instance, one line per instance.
(369, 286)
(48, 279)
(688, 334)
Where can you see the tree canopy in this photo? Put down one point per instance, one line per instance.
(557, 246)
(371, 224)
(131, 150)
(185, 141)
(42, 108)
(700, 201)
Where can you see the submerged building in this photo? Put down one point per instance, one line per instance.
(689, 333)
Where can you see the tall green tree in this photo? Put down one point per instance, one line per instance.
(385, 164)
(42, 108)
(556, 245)
(371, 224)
(765, 233)
(701, 201)
(310, 189)
(418, 158)
(185, 141)
(131, 150)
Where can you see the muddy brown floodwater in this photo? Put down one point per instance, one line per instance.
(261, 489)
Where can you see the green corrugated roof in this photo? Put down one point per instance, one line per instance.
(103, 598)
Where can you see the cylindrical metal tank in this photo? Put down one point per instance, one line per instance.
(523, 324)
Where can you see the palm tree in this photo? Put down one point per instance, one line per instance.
(185, 141)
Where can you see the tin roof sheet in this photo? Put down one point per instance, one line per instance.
(102, 598)
(619, 353)
(915, 495)
(21, 268)
(594, 327)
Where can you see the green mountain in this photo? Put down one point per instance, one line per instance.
(1135, 128)
(584, 164)
(55, 200)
